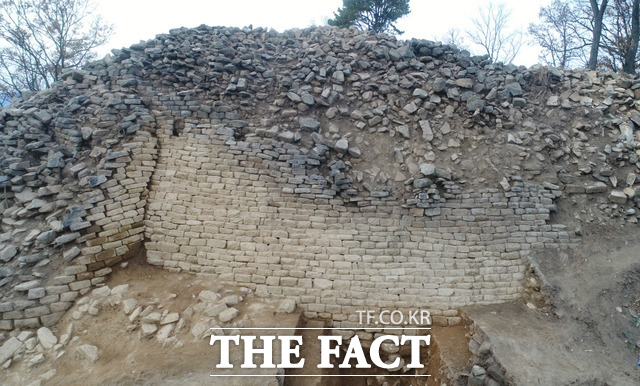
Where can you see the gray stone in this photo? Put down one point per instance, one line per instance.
(208, 296)
(87, 132)
(76, 75)
(617, 197)
(439, 85)
(9, 348)
(550, 186)
(77, 168)
(338, 77)
(519, 102)
(427, 133)
(57, 162)
(308, 99)
(148, 329)
(36, 311)
(309, 124)
(153, 317)
(215, 310)
(67, 238)
(89, 351)
(476, 103)
(420, 93)
(464, 83)
(8, 253)
(322, 283)
(164, 332)
(342, 145)
(26, 286)
(43, 116)
(46, 338)
(71, 253)
(411, 108)
(36, 293)
(24, 335)
(287, 306)
(428, 170)
(32, 259)
(170, 318)
(200, 329)
(478, 373)
(120, 289)
(25, 196)
(5, 272)
(228, 315)
(598, 187)
(101, 292)
(97, 181)
(27, 323)
(47, 237)
(421, 183)
(22, 304)
(295, 98)
(446, 128)
(626, 128)
(404, 131)
(380, 194)
(36, 360)
(287, 136)
(36, 204)
(231, 300)
(514, 89)
(128, 305)
(116, 154)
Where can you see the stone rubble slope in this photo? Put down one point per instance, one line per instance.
(362, 115)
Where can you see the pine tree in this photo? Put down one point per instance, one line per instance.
(372, 15)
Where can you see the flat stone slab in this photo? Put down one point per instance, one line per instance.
(9, 348)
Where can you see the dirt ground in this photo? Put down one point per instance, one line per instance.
(592, 335)
(125, 358)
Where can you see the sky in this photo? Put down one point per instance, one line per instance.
(136, 20)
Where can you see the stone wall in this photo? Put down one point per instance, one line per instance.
(342, 169)
(83, 202)
(225, 207)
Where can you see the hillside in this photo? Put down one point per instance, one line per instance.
(334, 171)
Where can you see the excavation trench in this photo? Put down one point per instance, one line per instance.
(446, 359)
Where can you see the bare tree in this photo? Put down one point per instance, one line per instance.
(42, 38)
(596, 21)
(574, 31)
(558, 34)
(454, 37)
(617, 47)
(491, 31)
(631, 54)
(619, 44)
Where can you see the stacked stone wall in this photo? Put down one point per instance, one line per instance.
(224, 207)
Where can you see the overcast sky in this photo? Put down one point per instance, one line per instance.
(136, 20)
